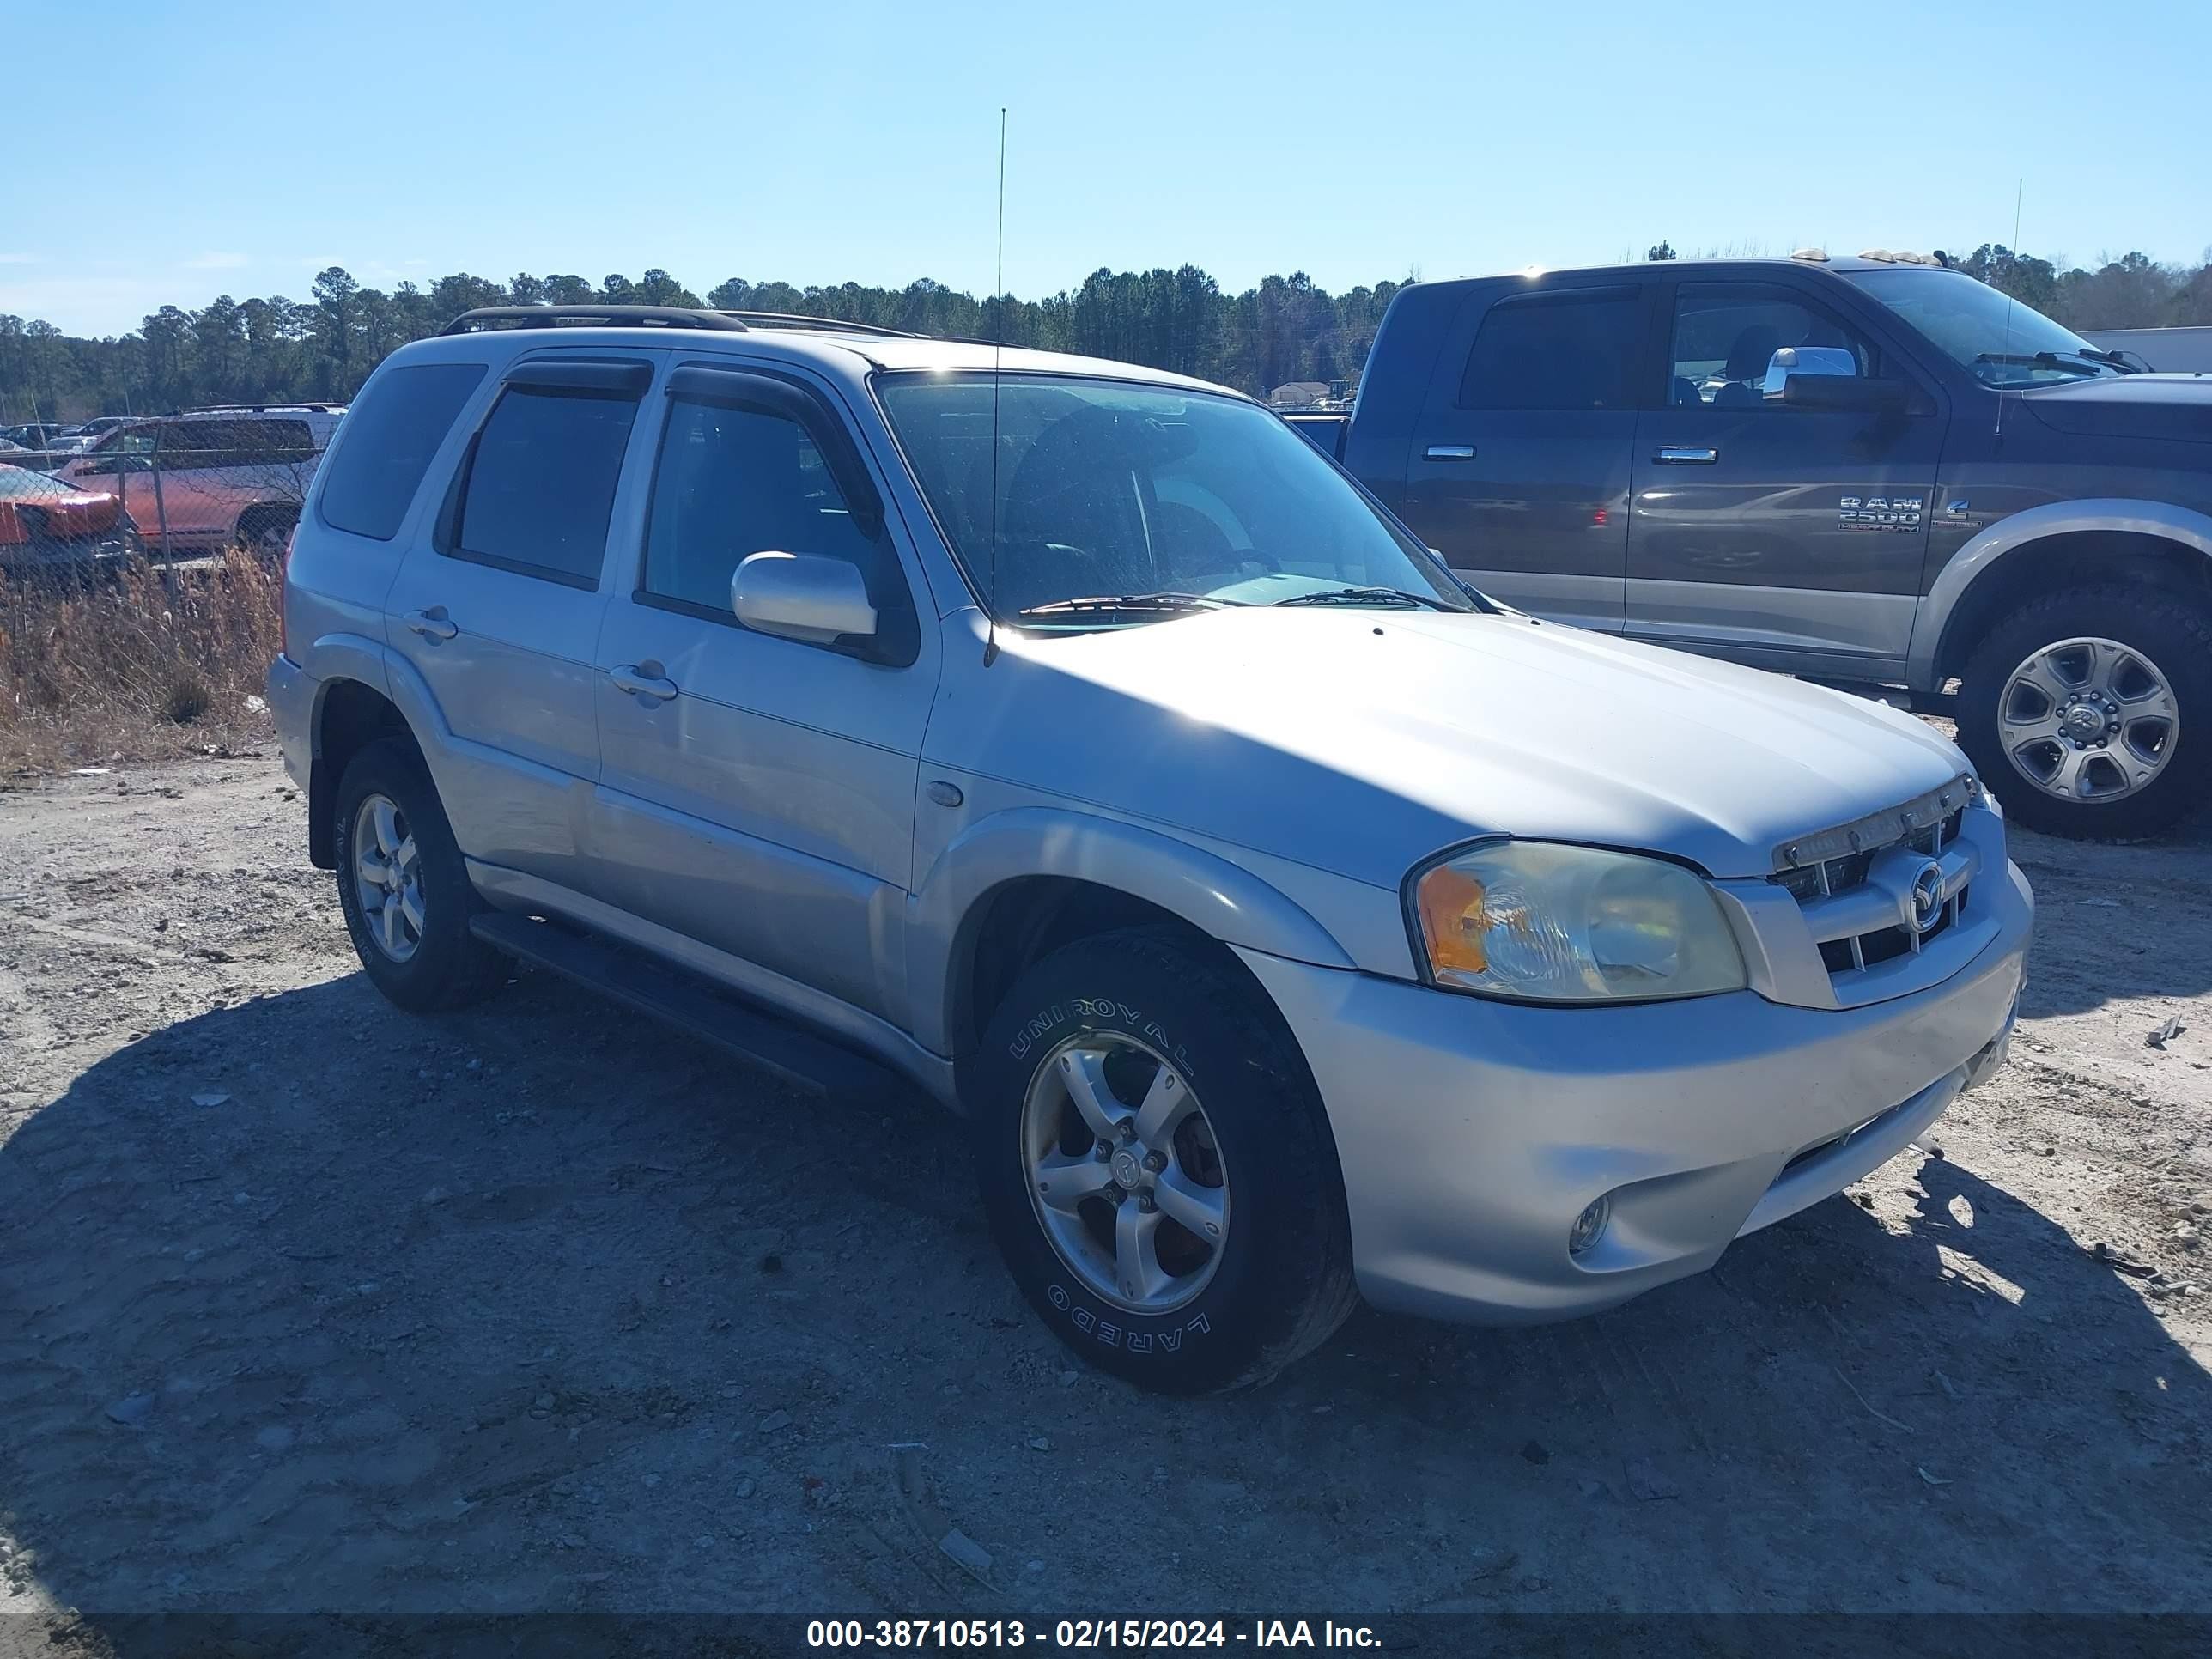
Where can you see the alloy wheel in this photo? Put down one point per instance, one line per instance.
(2088, 719)
(1124, 1172)
(387, 877)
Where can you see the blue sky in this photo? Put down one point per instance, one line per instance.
(188, 150)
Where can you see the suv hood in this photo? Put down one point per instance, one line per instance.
(1363, 741)
(2128, 406)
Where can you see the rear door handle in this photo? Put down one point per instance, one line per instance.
(1686, 456)
(431, 624)
(642, 680)
(1452, 452)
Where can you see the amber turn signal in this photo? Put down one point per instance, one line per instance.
(1452, 921)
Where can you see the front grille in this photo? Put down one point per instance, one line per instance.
(1840, 875)
(1839, 862)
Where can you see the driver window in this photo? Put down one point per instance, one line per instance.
(1735, 344)
(733, 483)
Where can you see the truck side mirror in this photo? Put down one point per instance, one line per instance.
(1845, 394)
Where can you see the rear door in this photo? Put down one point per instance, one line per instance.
(1787, 535)
(757, 793)
(1520, 468)
(198, 461)
(499, 610)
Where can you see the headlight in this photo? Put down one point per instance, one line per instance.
(1547, 923)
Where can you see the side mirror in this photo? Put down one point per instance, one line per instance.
(801, 596)
(1805, 360)
(1845, 394)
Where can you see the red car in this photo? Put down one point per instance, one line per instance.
(47, 524)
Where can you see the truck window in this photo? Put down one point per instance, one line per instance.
(1726, 336)
(541, 485)
(732, 482)
(1565, 351)
(390, 436)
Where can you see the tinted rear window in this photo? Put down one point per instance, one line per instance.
(390, 434)
(542, 486)
(1555, 353)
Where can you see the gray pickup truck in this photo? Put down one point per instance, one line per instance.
(1873, 470)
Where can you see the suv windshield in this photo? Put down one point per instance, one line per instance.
(1146, 501)
(2001, 341)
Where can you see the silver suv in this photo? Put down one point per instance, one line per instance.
(1288, 921)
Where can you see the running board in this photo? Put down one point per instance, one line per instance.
(758, 1038)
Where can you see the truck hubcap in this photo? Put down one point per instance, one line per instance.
(1124, 1172)
(387, 877)
(2088, 719)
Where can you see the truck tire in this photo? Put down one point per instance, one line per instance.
(1157, 1166)
(2089, 711)
(402, 887)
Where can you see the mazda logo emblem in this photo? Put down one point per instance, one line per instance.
(1925, 902)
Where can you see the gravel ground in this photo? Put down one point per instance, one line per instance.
(306, 1304)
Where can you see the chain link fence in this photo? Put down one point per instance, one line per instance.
(172, 487)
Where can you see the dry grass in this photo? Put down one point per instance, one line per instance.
(154, 662)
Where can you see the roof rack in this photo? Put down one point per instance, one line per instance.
(827, 325)
(485, 317)
(254, 409)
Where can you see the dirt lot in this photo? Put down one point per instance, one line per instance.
(308, 1304)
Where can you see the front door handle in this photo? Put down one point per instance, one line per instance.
(1452, 452)
(431, 624)
(642, 680)
(1672, 456)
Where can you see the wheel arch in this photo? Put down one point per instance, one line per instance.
(1022, 882)
(2063, 543)
(349, 714)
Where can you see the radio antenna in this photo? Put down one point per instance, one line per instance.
(997, 354)
(2020, 190)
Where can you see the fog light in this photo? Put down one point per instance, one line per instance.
(1589, 1227)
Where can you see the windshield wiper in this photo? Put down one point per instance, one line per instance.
(1366, 595)
(2111, 359)
(1169, 602)
(2047, 360)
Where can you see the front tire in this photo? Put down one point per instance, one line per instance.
(2089, 711)
(1157, 1166)
(403, 888)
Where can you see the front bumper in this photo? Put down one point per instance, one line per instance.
(1472, 1132)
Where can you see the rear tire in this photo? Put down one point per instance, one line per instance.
(266, 531)
(2125, 781)
(404, 887)
(1243, 1149)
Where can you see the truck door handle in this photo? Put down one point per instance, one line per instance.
(1690, 457)
(431, 624)
(642, 680)
(1452, 452)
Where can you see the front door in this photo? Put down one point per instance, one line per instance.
(757, 793)
(1766, 529)
(1520, 468)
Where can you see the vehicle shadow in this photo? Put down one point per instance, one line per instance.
(308, 1306)
(1953, 1407)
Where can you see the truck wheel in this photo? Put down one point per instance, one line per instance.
(2077, 708)
(265, 532)
(404, 889)
(1157, 1166)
